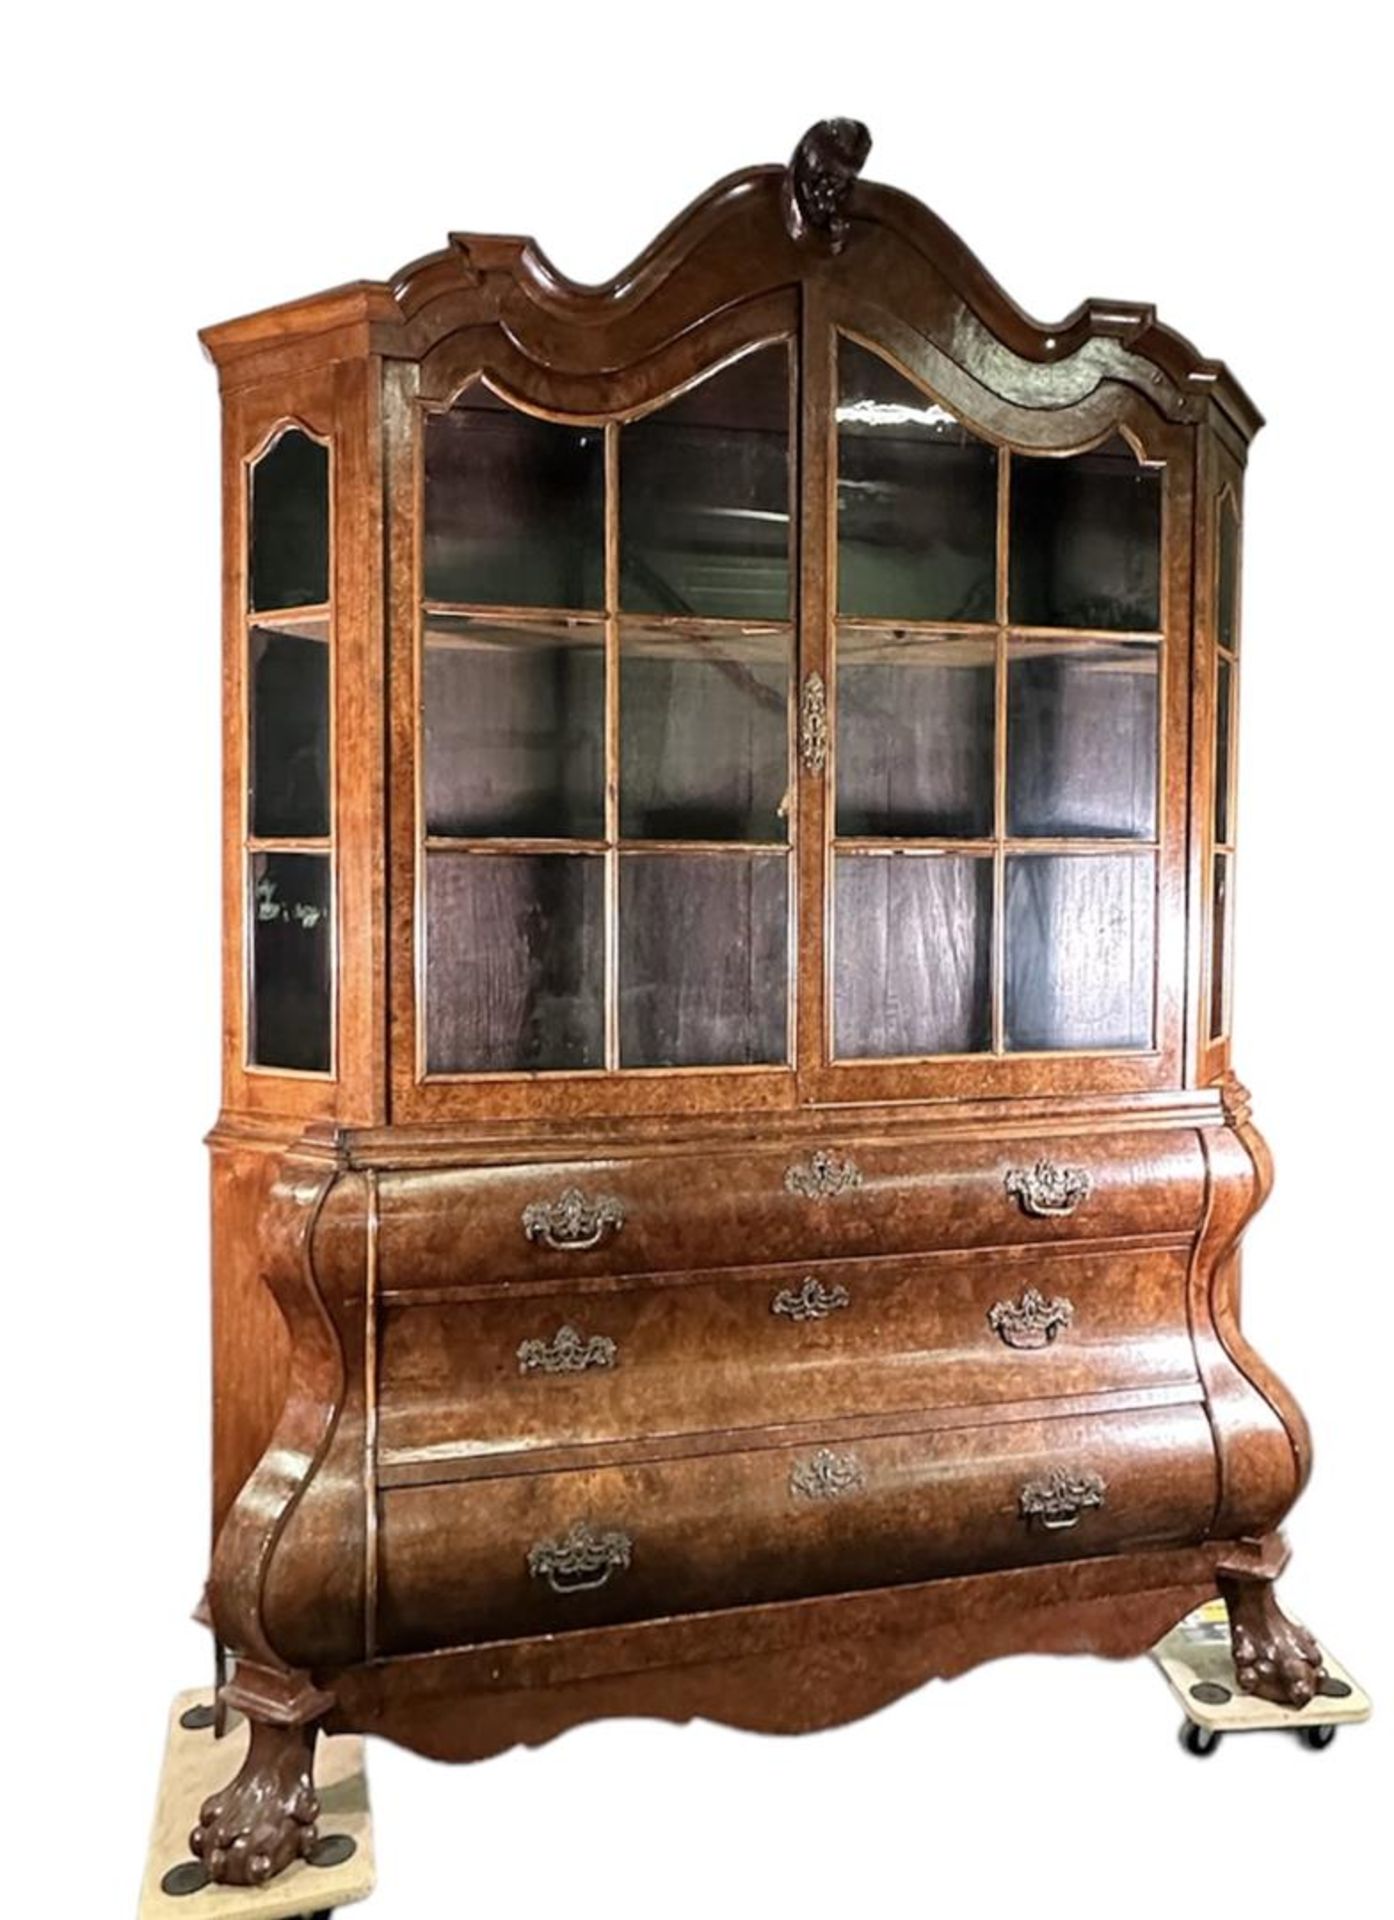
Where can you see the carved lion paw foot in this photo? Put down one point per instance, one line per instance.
(1274, 1659)
(265, 1819)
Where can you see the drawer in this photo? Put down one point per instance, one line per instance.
(747, 1206)
(512, 1371)
(543, 1553)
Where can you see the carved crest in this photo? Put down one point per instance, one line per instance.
(819, 180)
(1030, 1322)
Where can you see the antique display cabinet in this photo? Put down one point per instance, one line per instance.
(729, 1186)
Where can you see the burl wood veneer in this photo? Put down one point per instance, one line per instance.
(730, 1181)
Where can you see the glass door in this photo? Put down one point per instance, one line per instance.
(997, 645)
(605, 678)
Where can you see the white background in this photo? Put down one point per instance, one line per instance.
(168, 167)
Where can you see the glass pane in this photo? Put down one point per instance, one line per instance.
(292, 957)
(916, 501)
(703, 959)
(290, 730)
(289, 542)
(913, 955)
(515, 962)
(1224, 748)
(1086, 538)
(515, 508)
(514, 728)
(704, 733)
(704, 497)
(915, 721)
(1229, 576)
(1080, 947)
(1082, 740)
(1219, 947)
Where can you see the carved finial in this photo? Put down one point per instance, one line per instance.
(819, 179)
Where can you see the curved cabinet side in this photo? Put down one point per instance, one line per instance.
(1261, 1436)
(249, 1536)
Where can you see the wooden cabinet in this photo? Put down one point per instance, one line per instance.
(729, 1149)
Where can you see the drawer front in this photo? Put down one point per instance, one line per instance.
(531, 1554)
(687, 1211)
(770, 1346)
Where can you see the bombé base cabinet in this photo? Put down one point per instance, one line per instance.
(763, 1427)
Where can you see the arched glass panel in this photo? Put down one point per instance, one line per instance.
(289, 543)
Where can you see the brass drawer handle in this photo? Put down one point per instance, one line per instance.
(827, 1476)
(1046, 1191)
(1030, 1322)
(811, 1301)
(1059, 1497)
(568, 1351)
(581, 1559)
(573, 1222)
(822, 1176)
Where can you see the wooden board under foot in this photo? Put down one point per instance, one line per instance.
(196, 1765)
(1195, 1659)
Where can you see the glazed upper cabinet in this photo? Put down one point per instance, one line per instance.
(808, 697)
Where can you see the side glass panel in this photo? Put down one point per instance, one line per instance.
(513, 718)
(1082, 740)
(914, 962)
(1086, 537)
(916, 501)
(1227, 568)
(291, 959)
(915, 720)
(1226, 738)
(288, 545)
(704, 497)
(703, 959)
(1079, 951)
(289, 701)
(1224, 746)
(514, 508)
(515, 962)
(289, 757)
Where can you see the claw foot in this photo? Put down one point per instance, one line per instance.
(1274, 1659)
(265, 1819)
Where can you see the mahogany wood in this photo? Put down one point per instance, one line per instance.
(761, 1393)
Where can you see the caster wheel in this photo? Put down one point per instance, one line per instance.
(1201, 1741)
(1316, 1737)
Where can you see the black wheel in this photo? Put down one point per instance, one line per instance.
(1201, 1741)
(1316, 1737)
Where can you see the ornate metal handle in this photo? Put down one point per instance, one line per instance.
(811, 1301)
(1046, 1191)
(1059, 1497)
(826, 1476)
(822, 1176)
(1031, 1322)
(813, 724)
(581, 1559)
(568, 1351)
(573, 1221)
